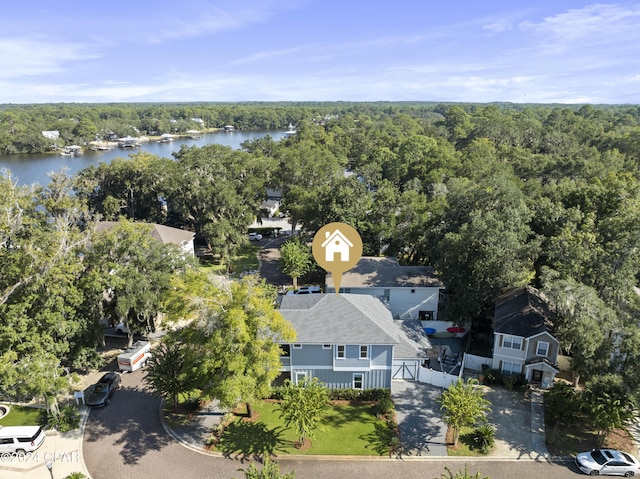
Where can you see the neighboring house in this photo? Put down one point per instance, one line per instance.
(51, 134)
(163, 234)
(412, 292)
(336, 243)
(523, 339)
(270, 206)
(349, 341)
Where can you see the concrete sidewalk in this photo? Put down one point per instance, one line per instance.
(62, 451)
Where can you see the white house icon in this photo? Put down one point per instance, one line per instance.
(334, 243)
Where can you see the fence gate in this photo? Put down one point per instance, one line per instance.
(404, 370)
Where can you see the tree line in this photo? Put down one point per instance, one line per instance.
(493, 196)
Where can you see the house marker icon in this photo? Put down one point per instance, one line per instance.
(336, 243)
(337, 247)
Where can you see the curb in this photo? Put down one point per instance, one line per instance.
(291, 457)
(84, 411)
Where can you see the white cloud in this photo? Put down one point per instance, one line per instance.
(499, 26)
(28, 57)
(595, 25)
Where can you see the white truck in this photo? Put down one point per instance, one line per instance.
(134, 357)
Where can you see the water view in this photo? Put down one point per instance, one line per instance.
(28, 169)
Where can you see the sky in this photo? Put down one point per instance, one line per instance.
(522, 51)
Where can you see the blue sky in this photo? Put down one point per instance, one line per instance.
(565, 51)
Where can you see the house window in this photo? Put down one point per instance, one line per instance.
(511, 368)
(300, 378)
(340, 351)
(512, 342)
(297, 346)
(285, 350)
(364, 352)
(542, 349)
(326, 346)
(358, 379)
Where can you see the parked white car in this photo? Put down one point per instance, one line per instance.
(608, 462)
(305, 290)
(255, 236)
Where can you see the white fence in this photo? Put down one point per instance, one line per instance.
(436, 378)
(475, 363)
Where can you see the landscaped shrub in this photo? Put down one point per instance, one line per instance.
(563, 405)
(495, 377)
(484, 437)
(346, 394)
(512, 381)
(384, 406)
(492, 377)
(66, 419)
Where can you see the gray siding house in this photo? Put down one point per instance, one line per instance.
(523, 339)
(412, 292)
(349, 341)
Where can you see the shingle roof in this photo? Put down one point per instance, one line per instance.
(386, 273)
(161, 233)
(522, 312)
(350, 319)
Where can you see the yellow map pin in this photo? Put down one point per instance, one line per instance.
(337, 247)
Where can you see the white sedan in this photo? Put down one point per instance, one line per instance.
(255, 236)
(608, 462)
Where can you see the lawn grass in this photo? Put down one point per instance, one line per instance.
(347, 430)
(245, 260)
(23, 416)
(466, 446)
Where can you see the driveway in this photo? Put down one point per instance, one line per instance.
(422, 431)
(126, 440)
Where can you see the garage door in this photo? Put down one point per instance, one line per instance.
(404, 369)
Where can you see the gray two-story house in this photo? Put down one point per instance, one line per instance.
(523, 339)
(410, 291)
(349, 341)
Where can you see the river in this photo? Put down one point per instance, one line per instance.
(28, 169)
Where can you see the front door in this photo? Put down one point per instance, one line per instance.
(536, 376)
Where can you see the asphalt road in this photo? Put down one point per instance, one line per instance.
(126, 440)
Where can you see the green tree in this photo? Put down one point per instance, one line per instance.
(171, 370)
(135, 271)
(295, 259)
(463, 404)
(461, 474)
(608, 403)
(239, 337)
(304, 406)
(582, 324)
(216, 191)
(270, 470)
(482, 244)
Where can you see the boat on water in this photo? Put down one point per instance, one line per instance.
(166, 138)
(100, 146)
(195, 134)
(129, 142)
(71, 150)
(291, 131)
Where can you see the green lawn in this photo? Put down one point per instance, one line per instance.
(245, 260)
(466, 446)
(348, 430)
(23, 416)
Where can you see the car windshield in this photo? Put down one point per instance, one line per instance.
(598, 457)
(101, 387)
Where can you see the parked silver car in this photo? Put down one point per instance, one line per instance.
(609, 462)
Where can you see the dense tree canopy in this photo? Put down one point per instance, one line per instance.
(493, 196)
